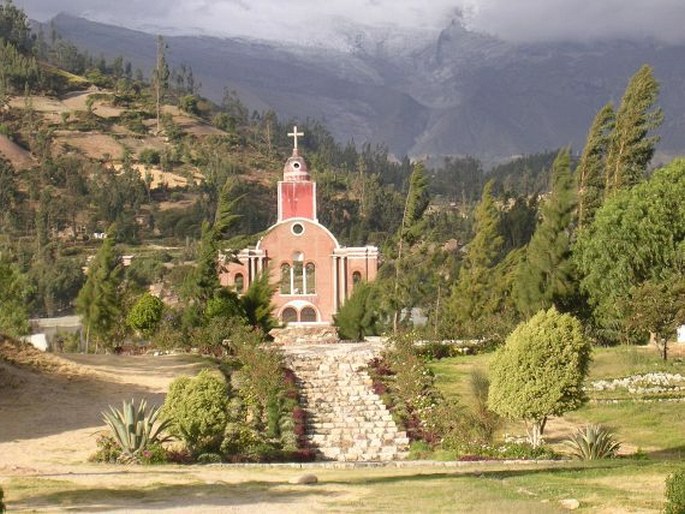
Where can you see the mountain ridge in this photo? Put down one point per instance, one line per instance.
(459, 93)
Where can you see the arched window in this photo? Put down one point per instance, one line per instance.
(289, 315)
(298, 273)
(308, 315)
(356, 278)
(239, 283)
(310, 278)
(286, 284)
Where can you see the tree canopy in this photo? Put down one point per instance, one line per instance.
(637, 235)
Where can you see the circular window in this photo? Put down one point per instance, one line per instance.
(296, 165)
(298, 229)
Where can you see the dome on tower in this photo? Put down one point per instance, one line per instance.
(295, 169)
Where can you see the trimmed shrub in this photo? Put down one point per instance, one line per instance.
(554, 346)
(593, 442)
(197, 410)
(675, 493)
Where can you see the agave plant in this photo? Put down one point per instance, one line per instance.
(593, 442)
(133, 427)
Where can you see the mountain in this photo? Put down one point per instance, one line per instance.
(453, 93)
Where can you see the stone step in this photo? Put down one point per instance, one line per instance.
(346, 420)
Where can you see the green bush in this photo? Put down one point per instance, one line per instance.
(593, 442)
(149, 156)
(197, 410)
(145, 314)
(2, 504)
(243, 443)
(262, 380)
(154, 454)
(675, 493)
(420, 450)
(209, 458)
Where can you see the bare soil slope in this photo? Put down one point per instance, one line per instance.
(50, 405)
(15, 154)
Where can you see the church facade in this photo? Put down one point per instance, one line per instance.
(313, 273)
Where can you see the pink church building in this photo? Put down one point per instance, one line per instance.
(313, 273)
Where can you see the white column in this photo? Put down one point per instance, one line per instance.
(336, 301)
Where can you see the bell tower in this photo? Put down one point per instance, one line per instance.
(296, 192)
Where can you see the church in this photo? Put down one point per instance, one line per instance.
(313, 273)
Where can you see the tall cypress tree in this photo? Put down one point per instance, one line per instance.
(630, 147)
(471, 303)
(546, 276)
(160, 78)
(592, 165)
(98, 300)
(415, 205)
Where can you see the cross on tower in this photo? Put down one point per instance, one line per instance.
(294, 134)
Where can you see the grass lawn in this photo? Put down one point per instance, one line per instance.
(607, 486)
(656, 429)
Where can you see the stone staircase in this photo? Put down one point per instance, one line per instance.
(346, 420)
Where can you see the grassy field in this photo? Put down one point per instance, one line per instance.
(610, 486)
(655, 428)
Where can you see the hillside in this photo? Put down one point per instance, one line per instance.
(461, 93)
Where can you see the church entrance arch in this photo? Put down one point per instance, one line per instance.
(299, 312)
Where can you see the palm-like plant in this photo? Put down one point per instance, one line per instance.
(593, 442)
(133, 427)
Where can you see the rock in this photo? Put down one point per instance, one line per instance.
(304, 479)
(569, 504)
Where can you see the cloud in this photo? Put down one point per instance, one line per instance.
(308, 20)
(578, 20)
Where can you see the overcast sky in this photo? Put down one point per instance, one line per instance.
(517, 20)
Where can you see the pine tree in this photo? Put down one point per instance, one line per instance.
(256, 303)
(415, 205)
(592, 166)
(358, 316)
(206, 275)
(99, 299)
(546, 275)
(472, 302)
(630, 147)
